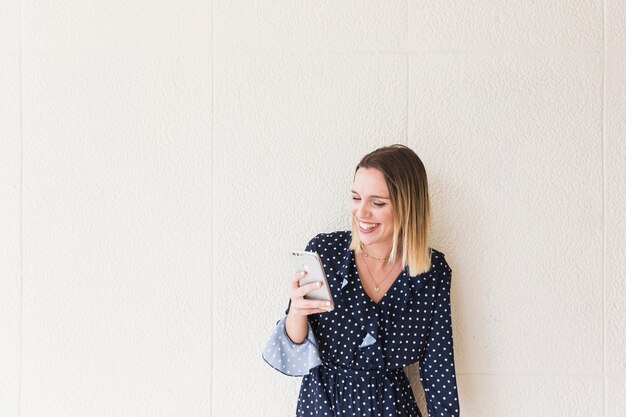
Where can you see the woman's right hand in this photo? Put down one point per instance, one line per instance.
(301, 306)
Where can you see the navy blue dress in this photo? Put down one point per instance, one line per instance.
(363, 346)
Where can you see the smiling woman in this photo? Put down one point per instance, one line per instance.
(396, 172)
(392, 304)
(371, 211)
(372, 215)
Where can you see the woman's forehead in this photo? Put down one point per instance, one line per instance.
(370, 182)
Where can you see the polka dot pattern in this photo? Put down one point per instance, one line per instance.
(293, 359)
(363, 346)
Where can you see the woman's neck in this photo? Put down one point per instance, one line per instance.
(377, 250)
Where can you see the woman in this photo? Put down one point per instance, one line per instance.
(392, 304)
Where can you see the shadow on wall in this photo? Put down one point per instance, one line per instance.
(464, 206)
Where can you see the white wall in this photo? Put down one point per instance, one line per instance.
(158, 159)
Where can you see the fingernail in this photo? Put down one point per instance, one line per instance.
(302, 273)
(319, 284)
(327, 303)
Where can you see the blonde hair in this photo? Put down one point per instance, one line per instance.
(406, 180)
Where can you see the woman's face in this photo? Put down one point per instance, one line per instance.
(371, 207)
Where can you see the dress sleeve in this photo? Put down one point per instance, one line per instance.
(437, 372)
(280, 352)
(293, 359)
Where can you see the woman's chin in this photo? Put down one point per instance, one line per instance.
(368, 239)
(375, 239)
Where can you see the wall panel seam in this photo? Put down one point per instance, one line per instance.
(21, 215)
(604, 204)
(211, 193)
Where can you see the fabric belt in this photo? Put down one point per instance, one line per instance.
(363, 373)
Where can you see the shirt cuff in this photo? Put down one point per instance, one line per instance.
(293, 359)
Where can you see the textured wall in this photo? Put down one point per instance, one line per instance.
(158, 159)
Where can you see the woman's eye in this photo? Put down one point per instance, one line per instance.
(379, 204)
(355, 198)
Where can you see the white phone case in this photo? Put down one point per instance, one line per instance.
(312, 264)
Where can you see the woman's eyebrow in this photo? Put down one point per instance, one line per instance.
(373, 196)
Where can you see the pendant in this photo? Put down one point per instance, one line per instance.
(377, 289)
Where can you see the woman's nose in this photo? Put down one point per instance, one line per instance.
(361, 211)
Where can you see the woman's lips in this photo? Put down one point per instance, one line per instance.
(369, 230)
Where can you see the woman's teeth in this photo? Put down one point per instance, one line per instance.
(368, 226)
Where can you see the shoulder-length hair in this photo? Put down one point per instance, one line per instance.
(406, 180)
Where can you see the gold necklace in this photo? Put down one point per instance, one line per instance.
(377, 284)
(372, 258)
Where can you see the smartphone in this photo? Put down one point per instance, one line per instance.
(312, 264)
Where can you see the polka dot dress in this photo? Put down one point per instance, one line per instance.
(363, 346)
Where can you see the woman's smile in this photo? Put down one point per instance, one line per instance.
(365, 227)
(371, 210)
